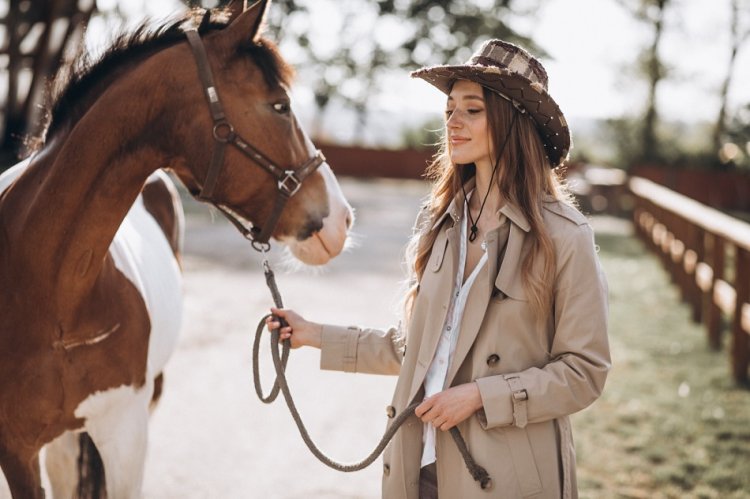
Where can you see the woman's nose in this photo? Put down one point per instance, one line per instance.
(453, 120)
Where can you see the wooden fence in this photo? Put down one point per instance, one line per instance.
(707, 254)
(365, 162)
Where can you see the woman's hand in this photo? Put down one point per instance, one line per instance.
(446, 409)
(299, 331)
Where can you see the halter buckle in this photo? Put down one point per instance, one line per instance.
(289, 185)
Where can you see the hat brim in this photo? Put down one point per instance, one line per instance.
(550, 121)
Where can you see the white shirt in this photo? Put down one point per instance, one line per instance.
(438, 370)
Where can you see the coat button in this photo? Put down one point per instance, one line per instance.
(386, 469)
(493, 359)
(390, 411)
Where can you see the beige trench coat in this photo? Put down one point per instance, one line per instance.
(531, 376)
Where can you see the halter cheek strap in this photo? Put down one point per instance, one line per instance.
(288, 182)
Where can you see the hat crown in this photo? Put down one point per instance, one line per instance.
(512, 58)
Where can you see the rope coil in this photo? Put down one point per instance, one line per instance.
(280, 385)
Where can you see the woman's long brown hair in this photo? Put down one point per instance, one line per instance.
(524, 177)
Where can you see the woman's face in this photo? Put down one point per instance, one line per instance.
(466, 125)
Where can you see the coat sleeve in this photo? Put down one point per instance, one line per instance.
(354, 349)
(371, 351)
(579, 358)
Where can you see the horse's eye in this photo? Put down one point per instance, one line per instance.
(281, 107)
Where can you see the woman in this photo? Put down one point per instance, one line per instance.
(507, 312)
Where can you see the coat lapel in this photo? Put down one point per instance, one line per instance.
(488, 278)
(439, 298)
(476, 304)
(507, 279)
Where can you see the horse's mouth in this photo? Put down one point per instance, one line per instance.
(323, 243)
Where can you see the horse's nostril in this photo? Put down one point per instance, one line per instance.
(348, 220)
(310, 228)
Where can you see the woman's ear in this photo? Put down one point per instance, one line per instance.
(244, 26)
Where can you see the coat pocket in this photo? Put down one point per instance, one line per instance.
(523, 460)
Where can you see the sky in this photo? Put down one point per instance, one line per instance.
(593, 46)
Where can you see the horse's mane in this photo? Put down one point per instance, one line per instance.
(88, 78)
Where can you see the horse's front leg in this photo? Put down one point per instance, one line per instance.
(21, 470)
(120, 433)
(61, 463)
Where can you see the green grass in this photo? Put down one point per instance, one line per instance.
(671, 421)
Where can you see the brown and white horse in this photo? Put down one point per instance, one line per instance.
(90, 286)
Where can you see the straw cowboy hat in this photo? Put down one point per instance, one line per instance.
(516, 75)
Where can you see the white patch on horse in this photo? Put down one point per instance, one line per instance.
(141, 252)
(117, 421)
(61, 463)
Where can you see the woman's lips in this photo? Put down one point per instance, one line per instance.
(457, 141)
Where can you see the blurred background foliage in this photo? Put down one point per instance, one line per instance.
(42, 37)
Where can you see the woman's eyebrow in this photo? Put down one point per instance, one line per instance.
(467, 97)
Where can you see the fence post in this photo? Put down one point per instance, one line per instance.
(712, 312)
(694, 253)
(740, 341)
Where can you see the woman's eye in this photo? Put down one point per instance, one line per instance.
(448, 113)
(281, 107)
(475, 111)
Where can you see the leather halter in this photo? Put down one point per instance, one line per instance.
(287, 181)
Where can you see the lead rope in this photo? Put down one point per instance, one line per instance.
(280, 384)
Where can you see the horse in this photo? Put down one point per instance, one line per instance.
(90, 231)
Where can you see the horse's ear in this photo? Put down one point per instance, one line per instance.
(245, 26)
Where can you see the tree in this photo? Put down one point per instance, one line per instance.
(403, 35)
(654, 70)
(736, 149)
(40, 36)
(739, 35)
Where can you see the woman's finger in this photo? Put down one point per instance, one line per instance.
(429, 415)
(422, 408)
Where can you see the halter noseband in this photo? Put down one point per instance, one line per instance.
(288, 181)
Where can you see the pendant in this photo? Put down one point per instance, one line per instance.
(473, 235)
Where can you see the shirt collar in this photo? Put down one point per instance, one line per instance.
(509, 209)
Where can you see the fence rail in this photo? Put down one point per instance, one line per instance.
(707, 254)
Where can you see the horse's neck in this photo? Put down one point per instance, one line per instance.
(61, 216)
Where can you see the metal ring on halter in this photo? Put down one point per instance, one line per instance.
(221, 137)
(258, 246)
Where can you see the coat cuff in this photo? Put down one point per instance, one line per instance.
(338, 348)
(504, 401)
